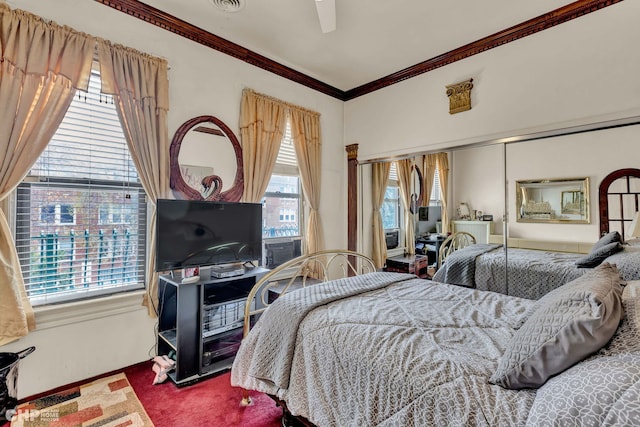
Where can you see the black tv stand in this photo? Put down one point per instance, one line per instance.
(201, 322)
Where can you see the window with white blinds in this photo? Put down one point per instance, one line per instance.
(287, 154)
(393, 172)
(81, 211)
(434, 199)
(435, 190)
(281, 205)
(390, 209)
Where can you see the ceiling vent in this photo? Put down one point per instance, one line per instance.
(228, 5)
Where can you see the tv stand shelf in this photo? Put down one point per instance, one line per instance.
(170, 337)
(201, 322)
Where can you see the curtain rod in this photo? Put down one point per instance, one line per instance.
(280, 101)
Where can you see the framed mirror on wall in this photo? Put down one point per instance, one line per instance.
(561, 200)
(206, 161)
(417, 184)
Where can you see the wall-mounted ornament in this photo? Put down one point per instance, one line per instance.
(460, 96)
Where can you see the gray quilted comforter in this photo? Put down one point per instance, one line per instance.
(461, 265)
(531, 273)
(410, 353)
(419, 353)
(271, 360)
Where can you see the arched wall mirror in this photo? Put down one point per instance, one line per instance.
(417, 185)
(206, 161)
(485, 177)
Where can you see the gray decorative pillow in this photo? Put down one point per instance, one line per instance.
(567, 325)
(596, 256)
(608, 238)
(603, 389)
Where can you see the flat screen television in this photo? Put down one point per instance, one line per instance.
(200, 233)
(429, 217)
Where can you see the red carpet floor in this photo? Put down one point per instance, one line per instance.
(208, 403)
(211, 403)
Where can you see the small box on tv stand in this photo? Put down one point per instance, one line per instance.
(222, 271)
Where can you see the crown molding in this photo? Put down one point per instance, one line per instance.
(182, 28)
(527, 28)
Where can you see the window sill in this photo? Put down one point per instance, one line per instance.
(53, 316)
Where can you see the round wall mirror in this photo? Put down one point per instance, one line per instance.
(206, 161)
(417, 188)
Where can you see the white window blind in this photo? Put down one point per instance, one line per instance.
(81, 211)
(287, 154)
(393, 172)
(390, 209)
(282, 205)
(435, 190)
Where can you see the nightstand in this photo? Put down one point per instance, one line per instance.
(413, 264)
(274, 291)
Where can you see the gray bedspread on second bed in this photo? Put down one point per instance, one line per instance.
(532, 273)
(461, 265)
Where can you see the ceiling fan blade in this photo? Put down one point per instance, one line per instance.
(327, 15)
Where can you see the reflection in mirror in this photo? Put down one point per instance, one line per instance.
(202, 146)
(484, 177)
(618, 195)
(553, 200)
(417, 184)
(478, 181)
(206, 161)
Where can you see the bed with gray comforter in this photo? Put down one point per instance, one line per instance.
(525, 273)
(396, 350)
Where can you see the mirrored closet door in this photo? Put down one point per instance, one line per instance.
(545, 187)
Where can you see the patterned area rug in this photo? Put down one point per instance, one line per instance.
(107, 402)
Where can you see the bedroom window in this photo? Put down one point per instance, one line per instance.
(282, 202)
(391, 206)
(434, 199)
(81, 211)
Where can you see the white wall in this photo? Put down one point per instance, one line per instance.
(591, 154)
(479, 176)
(202, 82)
(581, 72)
(85, 345)
(577, 72)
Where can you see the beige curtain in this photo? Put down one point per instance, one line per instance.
(443, 170)
(429, 164)
(380, 176)
(140, 88)
(42, 65)
(262, 124)
(404, 181)
(305, 132)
